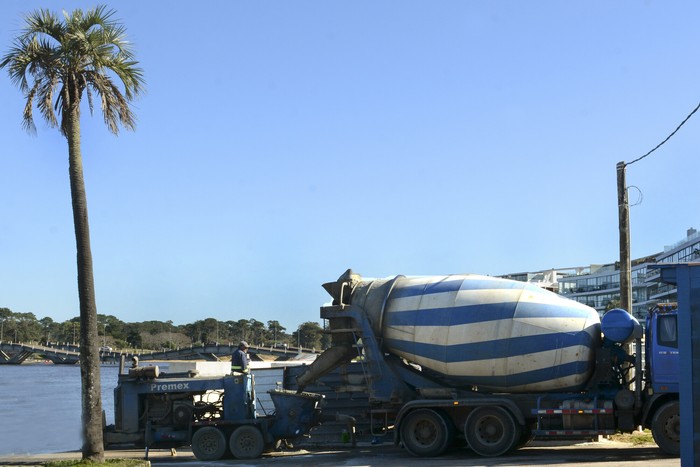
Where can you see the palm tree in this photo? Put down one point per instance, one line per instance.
(55, 62)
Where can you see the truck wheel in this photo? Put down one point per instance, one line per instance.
(491, 431)
(426, 433)
(246, 442)
(208, 444)
(666, 428)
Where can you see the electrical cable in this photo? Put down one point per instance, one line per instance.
(667, 138)
(639, 199)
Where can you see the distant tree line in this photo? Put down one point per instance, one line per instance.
(157, 335)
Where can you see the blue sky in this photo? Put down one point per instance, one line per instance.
(280, 143)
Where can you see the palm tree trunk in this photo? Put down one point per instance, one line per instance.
(93, 448)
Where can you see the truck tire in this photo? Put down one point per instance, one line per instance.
(208, 444)
(666, 428)
(491, 431)
(426, 433)
(246, 442)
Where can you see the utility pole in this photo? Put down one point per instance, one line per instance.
(624, 227)
(624, 220)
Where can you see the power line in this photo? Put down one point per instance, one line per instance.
(667, 138)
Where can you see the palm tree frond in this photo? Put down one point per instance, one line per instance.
(45, 104)
(27, 117)
(43, 22)
(90, 100)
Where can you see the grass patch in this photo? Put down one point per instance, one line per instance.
(108, 462)
(636, 438)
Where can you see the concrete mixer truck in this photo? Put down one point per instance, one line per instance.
(492, 362)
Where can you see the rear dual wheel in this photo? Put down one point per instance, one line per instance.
(491, 431)
(208, 444)
(426, 433)
(246, 442)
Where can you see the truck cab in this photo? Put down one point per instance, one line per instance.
(662, 358)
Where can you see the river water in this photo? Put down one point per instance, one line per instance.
(40, 407)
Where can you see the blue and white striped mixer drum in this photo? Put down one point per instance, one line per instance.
(494, 334)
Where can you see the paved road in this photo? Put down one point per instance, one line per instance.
(601, 454)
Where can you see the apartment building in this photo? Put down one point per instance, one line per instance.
(598, 285)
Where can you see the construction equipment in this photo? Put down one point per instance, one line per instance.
(215, 415)
(494, 362)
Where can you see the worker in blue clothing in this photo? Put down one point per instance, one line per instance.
(239, 359)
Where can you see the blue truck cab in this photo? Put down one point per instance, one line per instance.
(661, 342)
